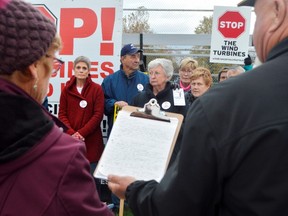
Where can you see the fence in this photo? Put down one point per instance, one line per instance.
(177, 47)
(175, 38)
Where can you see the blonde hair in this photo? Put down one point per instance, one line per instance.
(202, 72)
(188, 63)
(57, 42)
(55, 46)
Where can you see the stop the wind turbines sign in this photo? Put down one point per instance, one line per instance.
(230, 34)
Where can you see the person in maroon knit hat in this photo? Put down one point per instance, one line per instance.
(43, 171)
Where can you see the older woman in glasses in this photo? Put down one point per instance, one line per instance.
(43, 171)
(187, 65)
(160, 72)
(82, 109)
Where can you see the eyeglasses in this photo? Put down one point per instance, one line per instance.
(57, 64)
(156, 73)
(188, 72)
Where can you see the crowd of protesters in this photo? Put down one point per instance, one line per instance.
(220, 151)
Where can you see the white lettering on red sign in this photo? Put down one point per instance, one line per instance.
(229, 24)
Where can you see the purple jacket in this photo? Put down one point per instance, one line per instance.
(43, 171)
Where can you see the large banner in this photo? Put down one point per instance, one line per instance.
(230, 34)
(92, 28)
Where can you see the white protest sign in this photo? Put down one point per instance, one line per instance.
(91, 28)
(230, 34)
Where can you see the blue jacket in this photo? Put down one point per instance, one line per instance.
(119, 87)
(248, 67)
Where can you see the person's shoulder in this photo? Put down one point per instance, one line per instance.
(96, 87)
(187, 94)
(142, 77)
(58, 142)
(93, 84)
(141, 94)
(140, 99)
(72, 148)
(142, 74)
(70, 82)
(230, 90)
(112, 75)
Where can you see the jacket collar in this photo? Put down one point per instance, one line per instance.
(70, 83)
(280, 49)
(23, 122)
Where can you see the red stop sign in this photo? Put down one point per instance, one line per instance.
(46, 12)
(231, 24)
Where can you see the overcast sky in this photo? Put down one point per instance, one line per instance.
(178, 22)
(179, 4)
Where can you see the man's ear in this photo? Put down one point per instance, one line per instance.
(279, 11)
(121, 59)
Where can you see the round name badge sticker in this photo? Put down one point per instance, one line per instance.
(166, 105)
(83, 103)
(140, 87)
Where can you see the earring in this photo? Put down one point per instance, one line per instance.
(35, 86)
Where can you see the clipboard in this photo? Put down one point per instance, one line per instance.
(151, 110)
(140, 144)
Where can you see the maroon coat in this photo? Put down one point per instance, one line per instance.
(83, 113)
(43, 171)
(64, 187)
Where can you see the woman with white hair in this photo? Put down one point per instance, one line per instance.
(160, 71)
(159, 87)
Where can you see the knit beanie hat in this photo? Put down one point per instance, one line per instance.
(25, 35)
(3, 3)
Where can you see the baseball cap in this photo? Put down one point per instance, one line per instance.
(247, 3)
(129, 49)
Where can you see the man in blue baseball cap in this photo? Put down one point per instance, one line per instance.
(129, 49)
(123, 85)
(234, 152)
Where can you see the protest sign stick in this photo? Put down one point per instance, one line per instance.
(121, 208)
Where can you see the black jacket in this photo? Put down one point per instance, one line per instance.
(234, 154)
(165, 97)
(189, 98)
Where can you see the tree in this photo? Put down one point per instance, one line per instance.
(205, 26)
(137, 22)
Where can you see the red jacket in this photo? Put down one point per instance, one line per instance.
(83, 113)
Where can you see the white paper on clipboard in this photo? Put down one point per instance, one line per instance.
(138, 147)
